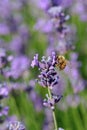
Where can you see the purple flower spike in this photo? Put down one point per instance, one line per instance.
(48, 77)
(58, 18)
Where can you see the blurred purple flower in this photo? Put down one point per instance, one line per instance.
(43, 26)
(48, 122)
(35, 61)
(3, 58)
(43, 4)
(58, 18)
(66, 3)
(72, 100)
(34, 96)
(4, 91)
(56, 2)
(80, 7)
(4, 111)
(74, 75)
(4, 30)
(18, 66)
(18, 43)
(16, 125)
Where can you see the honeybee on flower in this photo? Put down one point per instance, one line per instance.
(61, 62)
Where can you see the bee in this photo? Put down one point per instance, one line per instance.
(61, 62)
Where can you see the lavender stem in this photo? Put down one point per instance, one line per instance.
(53, 112)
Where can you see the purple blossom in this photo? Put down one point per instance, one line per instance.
(55, 11)
(48, 77)
(4, 30)
(3, 59)
(80, 7)
(19, 65)
(50, 102)
(3, 113)
(56, 2)
(4, 91)
(16, 125)
(58, 18)
(67, 3)
(43, 4)
(35, 61)
(17, 45)
(44, 26)
(73, 100)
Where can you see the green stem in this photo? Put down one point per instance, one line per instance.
(53, 112)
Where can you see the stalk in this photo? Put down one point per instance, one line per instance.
(53, 112)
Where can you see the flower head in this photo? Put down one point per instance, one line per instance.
(58, 18)
(48, 76)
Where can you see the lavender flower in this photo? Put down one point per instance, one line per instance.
(43, 4)
(18, 66)
(58, 18)
(3, 91)
(35, 62)
(48, 77)
(16, 125)
(3, 112)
